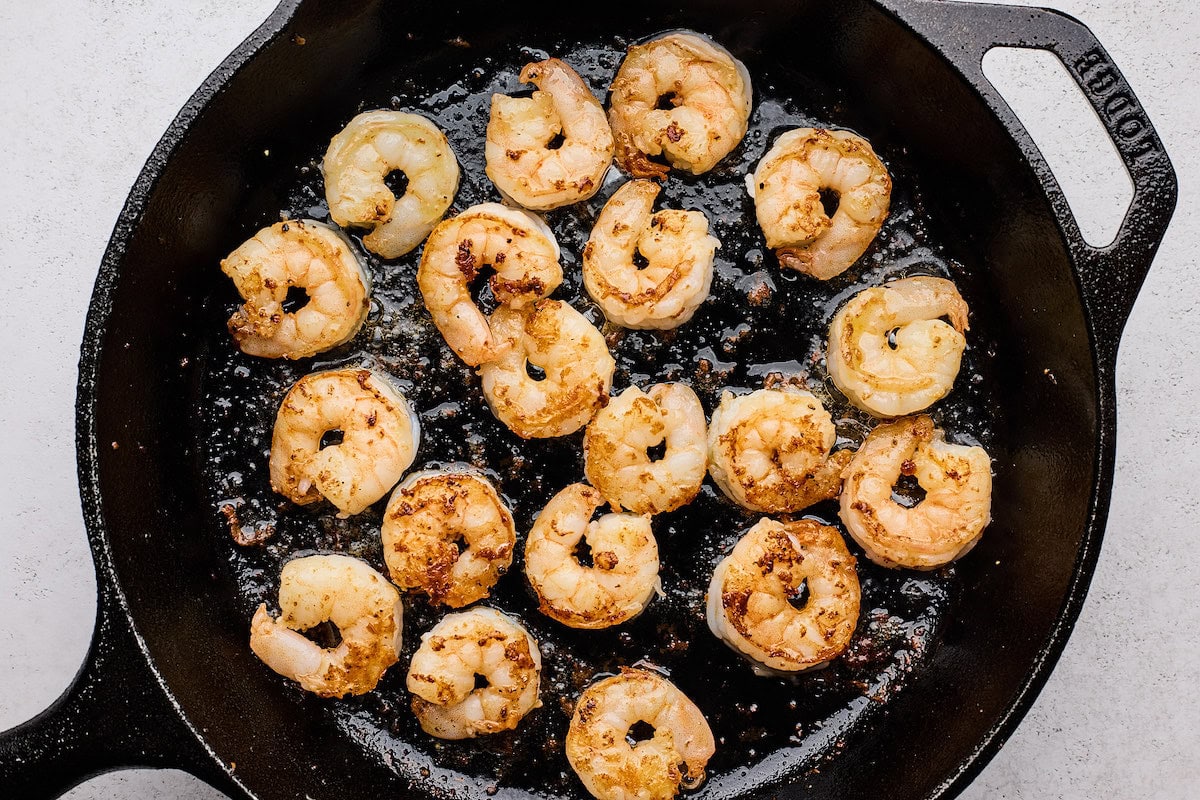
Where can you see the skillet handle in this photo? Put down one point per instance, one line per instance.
(1110, 276)
(115, 714)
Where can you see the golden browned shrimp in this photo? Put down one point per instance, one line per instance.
(624, 572)
(380, 435)
(889, 352)
(578, 369)
(520, 160)
(613, 769)
(448, 534)
(617, 443)
(298, 254)
(359, 159)
(443, 675)
(707, 95)
(769, 450)
(749, 598)
(345, 591)
(787, 189)
(678, 250)
(943, 526)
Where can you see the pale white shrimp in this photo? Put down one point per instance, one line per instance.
(945, 524)
(380, 436)
(617, 441)
(430, 514)
(770, 450)
(463, 647)
(653, 769)
(787, 188)
(517, 245)
(520, 160)
(707, 93)
(676, 246)
(560, 341)
(889, 352)
(345, 591)
(296, 254)
(359, 159)
(750, 599)
(624, 571)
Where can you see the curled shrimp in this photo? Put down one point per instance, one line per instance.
(359, 159)
(520, 160)
(517, 245)
(945, 524)
(617, 442)
(571, 353)
(676, 246)
(889, 352)
(769, 450)
(610, 767)
(345, 591)
(380, 435)
(299, 254)
(624, 571)
(442, 676)
(449, 535)
(750, 597)
(707, 96)
(787, 188)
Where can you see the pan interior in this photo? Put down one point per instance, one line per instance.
(210, 419)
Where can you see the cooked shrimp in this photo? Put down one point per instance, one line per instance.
(520, 160)
(613, 769)
(380, 435)
(299, 254)
(517, 245)
(678, 250)
(624, 571)
(429, 515)
(889, 352)
(345, 591)
(943, 526)
(750, 599)
(707, 92)
(460, 649)
(560, 341)
(617, 443)
(787, 189)
(359, 159)
(769, 450)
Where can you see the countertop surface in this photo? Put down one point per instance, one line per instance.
(87, 89)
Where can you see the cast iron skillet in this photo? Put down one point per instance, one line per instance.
(169, 680)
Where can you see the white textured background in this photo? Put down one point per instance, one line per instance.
(87, 88)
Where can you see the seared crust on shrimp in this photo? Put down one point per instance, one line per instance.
(617, 441)
(709, 94)
(429, 515)
(769, 450)
(676, 246)
(520, 160)
(624, 571)
(749, 597)
(345, 591)
(519, 246)
(372, 146)
(380, 435)
(296, 254)
(889, 352)
(578, 368)
(613, 769)
(787, 186)
(442, 675)
(945, 524)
